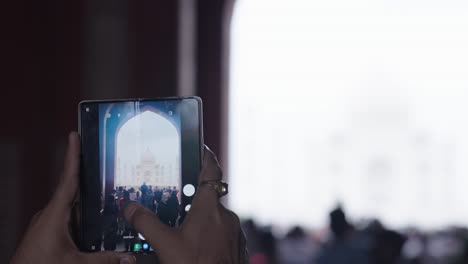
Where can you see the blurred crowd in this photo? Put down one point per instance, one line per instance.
(347, 243)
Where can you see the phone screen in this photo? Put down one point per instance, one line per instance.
(143, 151)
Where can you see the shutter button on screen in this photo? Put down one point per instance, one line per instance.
(189, 190)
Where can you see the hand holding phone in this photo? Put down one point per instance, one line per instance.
(131, 179)
(209, 234)
(48, 238)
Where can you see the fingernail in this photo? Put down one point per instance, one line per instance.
(71, 135)
(127, 260)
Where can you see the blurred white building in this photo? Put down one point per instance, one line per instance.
(361, 102)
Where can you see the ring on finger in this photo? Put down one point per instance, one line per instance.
(220, 187)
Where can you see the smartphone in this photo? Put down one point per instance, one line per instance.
(147, 151)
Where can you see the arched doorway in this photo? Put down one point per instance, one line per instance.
(147, 151)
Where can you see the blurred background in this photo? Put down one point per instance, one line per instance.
(341, 125)
(358, 106)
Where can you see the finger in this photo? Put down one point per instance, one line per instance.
(106, 258)
(211, 171)
(206, 200)
(35, 218)
(160, 236)
(68, 187)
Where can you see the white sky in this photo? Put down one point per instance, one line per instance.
(360, 101)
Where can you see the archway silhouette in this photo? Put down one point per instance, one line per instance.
(147, 150)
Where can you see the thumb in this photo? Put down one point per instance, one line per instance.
(68, 187)
(160, 236)
(107, 258)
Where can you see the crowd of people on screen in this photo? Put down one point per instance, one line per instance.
(163, 201)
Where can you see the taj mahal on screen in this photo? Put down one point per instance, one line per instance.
(148, 170)
(140, 146)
